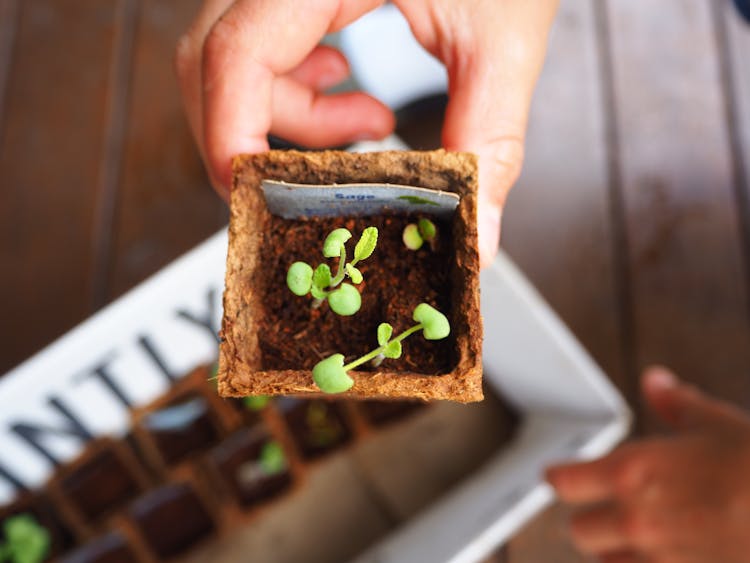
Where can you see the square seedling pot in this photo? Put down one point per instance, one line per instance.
(236, 467)
(183, 423)
(172, 519)
(262, 246)
(104, 478)
(317, 426)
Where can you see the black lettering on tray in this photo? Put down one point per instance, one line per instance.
(147, 344)
(12, 480)
(33, 434)
(101, 373)
(205, 319)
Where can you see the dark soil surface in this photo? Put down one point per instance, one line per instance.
(295, 336)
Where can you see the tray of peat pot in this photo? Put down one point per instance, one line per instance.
(98, 483)
(182, 423)
(317, 426)
(250, 468)
(323, 267)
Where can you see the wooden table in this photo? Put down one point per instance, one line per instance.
(632, 216)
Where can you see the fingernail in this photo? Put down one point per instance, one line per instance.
(369, 136)
(660, 378)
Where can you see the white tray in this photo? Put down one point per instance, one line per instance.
(569, 410)
(168, 324)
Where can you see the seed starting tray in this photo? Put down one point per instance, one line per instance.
(191, 469)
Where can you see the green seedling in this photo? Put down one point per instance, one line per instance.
(416, 234)
(330, 374)
(272, 459)
(324, 430)
(256, 402)
(343, 298)
(25, 540)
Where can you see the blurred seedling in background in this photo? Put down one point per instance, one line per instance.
(25, 540)
(256, 402)
(416, 234)
(343, 298)
(272, 459)
(330, 374)
(325, 430)
(270, 462)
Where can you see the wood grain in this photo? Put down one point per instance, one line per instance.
(685, 252)
(50, 151)
(8, 25)
(165, 203)
(733, 34)
(558, 224)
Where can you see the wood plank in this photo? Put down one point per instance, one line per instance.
(49, 154)
(8, 24)
(112, 150)
(165, 203)
(558, 225)
(685, 252)
(734, 35)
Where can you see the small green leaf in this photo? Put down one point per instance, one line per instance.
(322, 276)
(435, 325)
(393, 350)
(256, 402)
(334, 241)
(366, 245)
(299, 278)
(272, 459)
(345, 301)
(330, 377)
(318, 293)
(411, 237)
(427, 229)
(418, 200)
(27, 541)
(384, 333)
(354, 274)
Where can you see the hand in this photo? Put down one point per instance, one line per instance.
(250, 67)
(679, 499)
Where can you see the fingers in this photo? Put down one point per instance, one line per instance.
(599, 530)
(493, 127)
(241, 55)
(493, 53)
(188, 64)
(624, 557)
(582, 483)
(318, 120)
(323, 68)
(683, 406)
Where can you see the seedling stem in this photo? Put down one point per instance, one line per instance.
(379, 350)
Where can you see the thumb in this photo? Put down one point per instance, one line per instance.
(682, 406)
(476, 121)
(493, 52)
